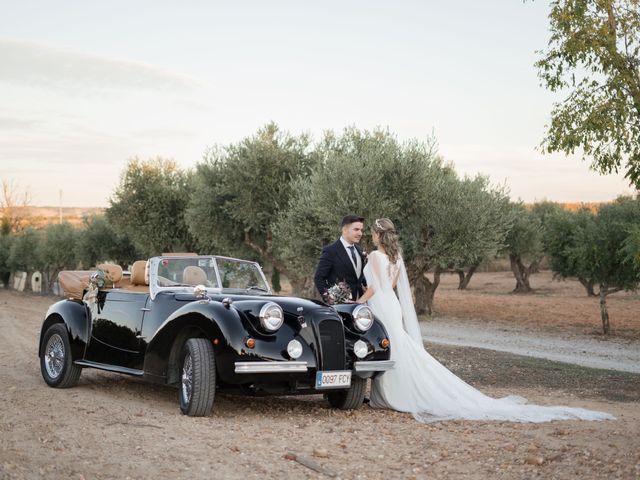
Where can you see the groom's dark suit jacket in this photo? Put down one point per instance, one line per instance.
(335, 266)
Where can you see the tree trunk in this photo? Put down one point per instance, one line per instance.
(604, 313)
(588, 286)
(425, 290)
(420, 293)
(521, 273)
(465, 279)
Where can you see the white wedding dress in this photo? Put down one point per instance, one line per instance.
(421, 385)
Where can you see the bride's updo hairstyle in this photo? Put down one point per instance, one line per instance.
(388, 238)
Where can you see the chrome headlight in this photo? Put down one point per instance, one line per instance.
(294, 349)
(271, 316)
(363, 317)
(361, 349)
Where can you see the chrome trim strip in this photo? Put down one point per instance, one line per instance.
(374, 365)
(110, 368)
(270, 367)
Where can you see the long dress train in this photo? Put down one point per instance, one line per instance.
(421, 385)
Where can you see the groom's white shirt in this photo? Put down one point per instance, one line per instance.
(358, 265)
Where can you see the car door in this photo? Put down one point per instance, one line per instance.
(116, 328)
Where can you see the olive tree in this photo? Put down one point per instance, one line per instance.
(461, 221)
(26, 251)
(240, 191)
(58, 251)
(442, 220)
(363, 172)
(149, 206)
(562, 241)
(602, 251)
(489, 208)
(594, 57)
(98, 242)
(5, 250)
(524, 245)
(632, 246)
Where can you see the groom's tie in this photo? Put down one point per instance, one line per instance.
(352, 249)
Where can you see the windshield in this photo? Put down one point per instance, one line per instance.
(237, 275)
(191, 271)
(187, 271)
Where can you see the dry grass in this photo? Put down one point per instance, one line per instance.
(553, 306)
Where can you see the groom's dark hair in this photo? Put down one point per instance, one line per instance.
(351, 218)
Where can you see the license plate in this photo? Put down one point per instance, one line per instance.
(333, 379)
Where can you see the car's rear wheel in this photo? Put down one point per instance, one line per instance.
(351, 398)
(198, 377)
(56, 363)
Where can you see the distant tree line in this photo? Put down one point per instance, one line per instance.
(278, 198)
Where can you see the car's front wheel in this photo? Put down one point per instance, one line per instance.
(198, 377)
(351, 398)
(56, 363)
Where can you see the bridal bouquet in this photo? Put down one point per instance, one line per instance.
(339, 293)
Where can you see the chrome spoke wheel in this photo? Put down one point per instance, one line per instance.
(187, 379)
(54, 356)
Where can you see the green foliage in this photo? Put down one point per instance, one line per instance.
(594, 53)
(149, 205)
(275, 280)
(525, 237)
(442, 220)
(239, 192)
(58, 249)
(601, 251)
(631, 247)
(25, 254)
(98, 242)
(563, 239)
(5, 249)
(470, 220)
(367, 173)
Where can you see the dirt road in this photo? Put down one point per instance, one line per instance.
(589, 351)
(115, 427)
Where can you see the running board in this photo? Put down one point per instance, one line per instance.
(110, 368)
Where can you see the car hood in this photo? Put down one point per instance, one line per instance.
(290, 305)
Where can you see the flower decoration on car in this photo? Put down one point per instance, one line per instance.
(98, 280)
(339, 293)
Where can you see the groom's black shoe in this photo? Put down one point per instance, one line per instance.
(365, 401)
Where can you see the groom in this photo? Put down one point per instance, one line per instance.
(343, 261)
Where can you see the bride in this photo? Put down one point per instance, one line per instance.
(419, 384)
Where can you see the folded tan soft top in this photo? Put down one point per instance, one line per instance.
(75, 282)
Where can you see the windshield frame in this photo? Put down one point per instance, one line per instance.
(155, 289)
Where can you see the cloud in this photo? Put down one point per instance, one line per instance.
(33, 64)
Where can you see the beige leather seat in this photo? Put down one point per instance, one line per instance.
(114, 273)
(139, 274)
(193, 275)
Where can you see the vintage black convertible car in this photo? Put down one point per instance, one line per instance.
(204, 323)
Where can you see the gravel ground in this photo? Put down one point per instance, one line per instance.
(116, 427)
(596, 352)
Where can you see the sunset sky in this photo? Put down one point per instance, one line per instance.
(84, 86)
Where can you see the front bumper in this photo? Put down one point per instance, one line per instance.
(271, 367)
(373, 366)
(297, 367)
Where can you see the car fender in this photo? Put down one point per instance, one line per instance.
(220, 324)
(76, 317)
